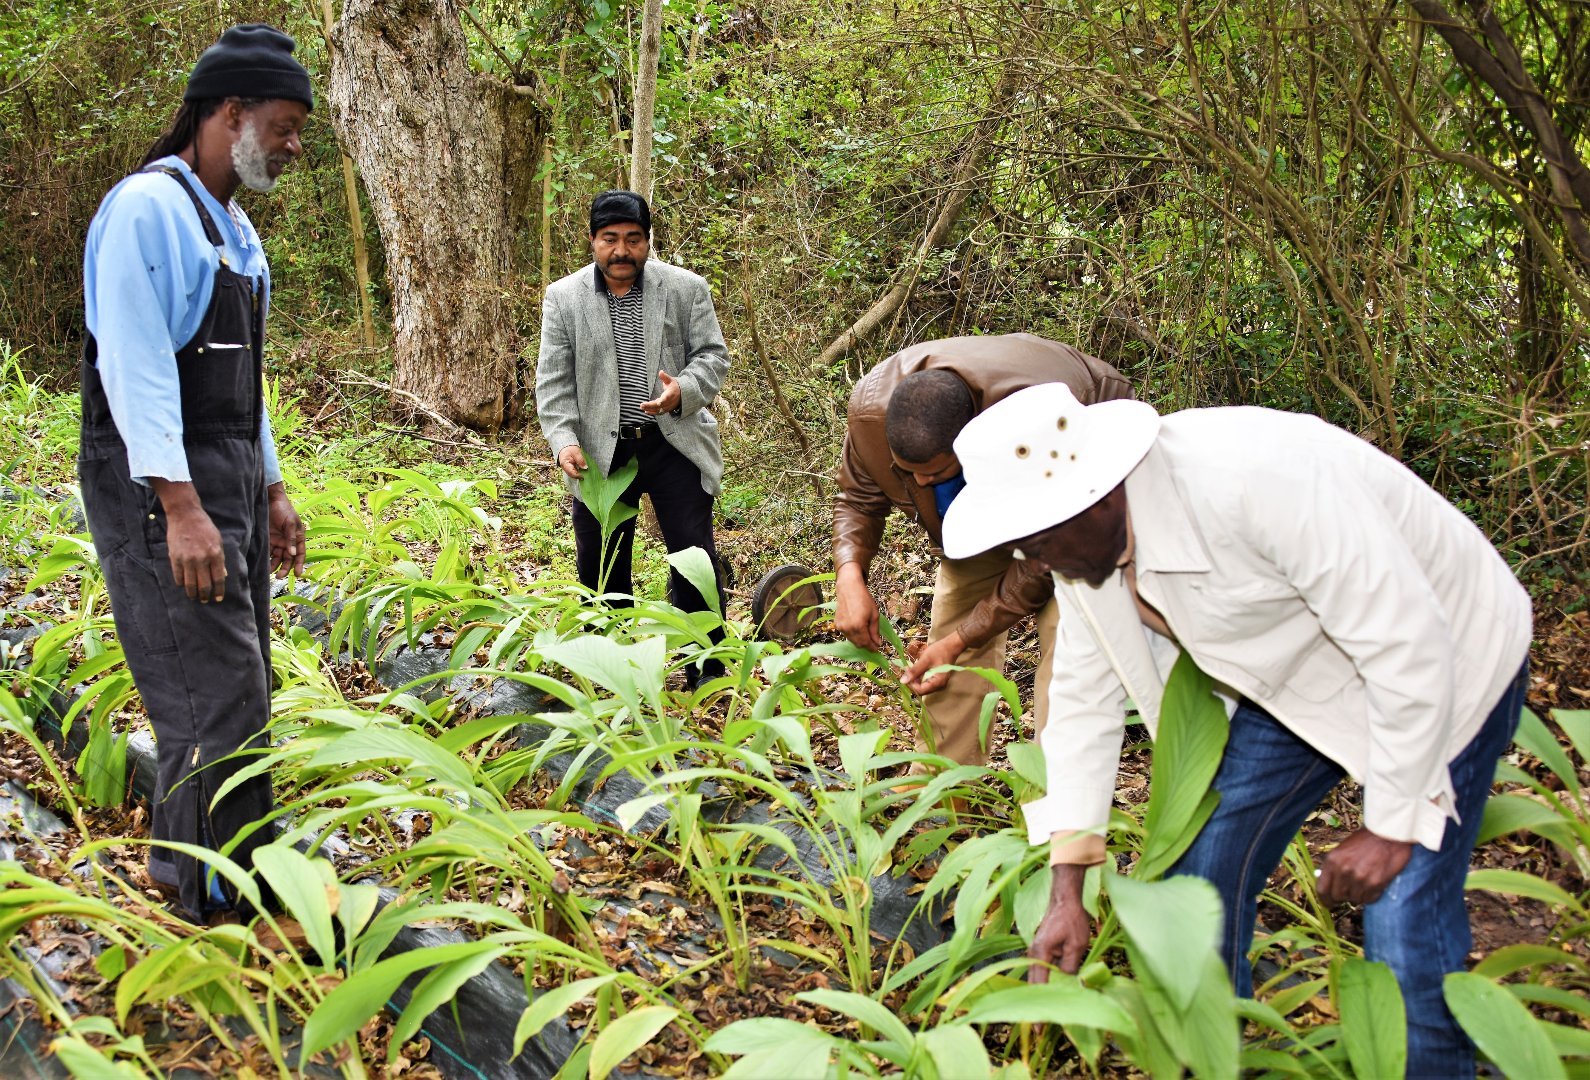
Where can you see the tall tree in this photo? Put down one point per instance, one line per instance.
(645, 99)
(448, 159)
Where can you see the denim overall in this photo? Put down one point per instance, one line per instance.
(203, 670)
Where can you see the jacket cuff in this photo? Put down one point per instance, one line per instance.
(1393, 816)
(983, 623)
(846, 551)
(1079, 808)
(1076, 849)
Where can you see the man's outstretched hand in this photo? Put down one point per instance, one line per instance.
(1063, 935)
(665, 402)
(855, 611)
(946, 650)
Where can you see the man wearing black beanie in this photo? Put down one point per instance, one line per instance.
(631, 359)
(178, 468)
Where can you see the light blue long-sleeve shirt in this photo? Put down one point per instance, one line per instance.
(148, 272)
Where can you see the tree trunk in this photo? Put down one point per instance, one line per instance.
(447, 158)
(350, 191)
(645, 99)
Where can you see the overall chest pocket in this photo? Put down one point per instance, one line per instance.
(219, 377)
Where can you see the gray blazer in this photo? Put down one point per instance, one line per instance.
(577, 370)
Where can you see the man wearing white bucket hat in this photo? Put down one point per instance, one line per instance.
(1361, 625)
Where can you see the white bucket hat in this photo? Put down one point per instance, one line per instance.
(1040, 457)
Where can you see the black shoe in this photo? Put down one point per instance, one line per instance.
(705, 672)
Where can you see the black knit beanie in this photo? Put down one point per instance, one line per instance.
(252, 60)
(614, 207)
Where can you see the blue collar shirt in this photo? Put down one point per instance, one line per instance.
(148, 273)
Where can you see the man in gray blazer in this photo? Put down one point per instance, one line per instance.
(631, 358)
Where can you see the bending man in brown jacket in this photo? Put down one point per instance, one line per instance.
(904, 416)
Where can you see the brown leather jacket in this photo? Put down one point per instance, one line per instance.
(870, 484)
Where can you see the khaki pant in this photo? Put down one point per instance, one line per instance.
(954, 711)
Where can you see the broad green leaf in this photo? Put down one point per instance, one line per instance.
(1576, 724)
(1206, 1035)
(1187, 750)
(1374, 1026)
(1518, 883)
(1513, 958)
(358, 906)
(553, 1003)
(307, 889)
(1173, 925)
(83, 1060)
(626, 1034)
(764, 1033)
(631, 811)
(1026, 760)
(396, 745)
(957, 1051)
(1148, 1049)
(623, 669)
(1059, 1002)
(434, 991)
(872, 1013)
(351, 1004)
(1533, 735)
(111, 963)
(803, 1060)
(601, 494)
(1032, 902)
(857, 750)
(1513, 812)
(695, 567)
(1503, 1029)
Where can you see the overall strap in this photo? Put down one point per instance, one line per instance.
(210, 231)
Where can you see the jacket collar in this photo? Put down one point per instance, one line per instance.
(1164, 531)
(599, 283)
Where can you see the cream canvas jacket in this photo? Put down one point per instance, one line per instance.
(1303, 569)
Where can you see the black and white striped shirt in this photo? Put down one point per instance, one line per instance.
(629, 341)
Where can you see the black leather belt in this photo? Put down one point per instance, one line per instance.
(637, 432)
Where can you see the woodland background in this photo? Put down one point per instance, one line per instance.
(1375, 212)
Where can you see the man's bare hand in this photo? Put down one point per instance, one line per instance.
(945, 650)
(855, 611)
(286, 533)
(1361, 867)
(571, 459)
(1063, 935)
(198, 561)
(665, 402)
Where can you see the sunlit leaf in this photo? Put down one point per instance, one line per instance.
(1173, 925)
(1374, 1025)
(1500, 1025)
(623, 1036)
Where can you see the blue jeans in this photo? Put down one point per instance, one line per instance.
(1269, 782)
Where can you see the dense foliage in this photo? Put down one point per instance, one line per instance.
(1311, 207)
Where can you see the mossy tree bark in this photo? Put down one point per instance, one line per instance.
(448, 158)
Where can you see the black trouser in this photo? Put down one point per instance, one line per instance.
(203, 670)
(684, 512)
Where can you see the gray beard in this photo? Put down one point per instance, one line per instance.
(250, 161)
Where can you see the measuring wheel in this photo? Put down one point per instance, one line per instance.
(787, 605)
